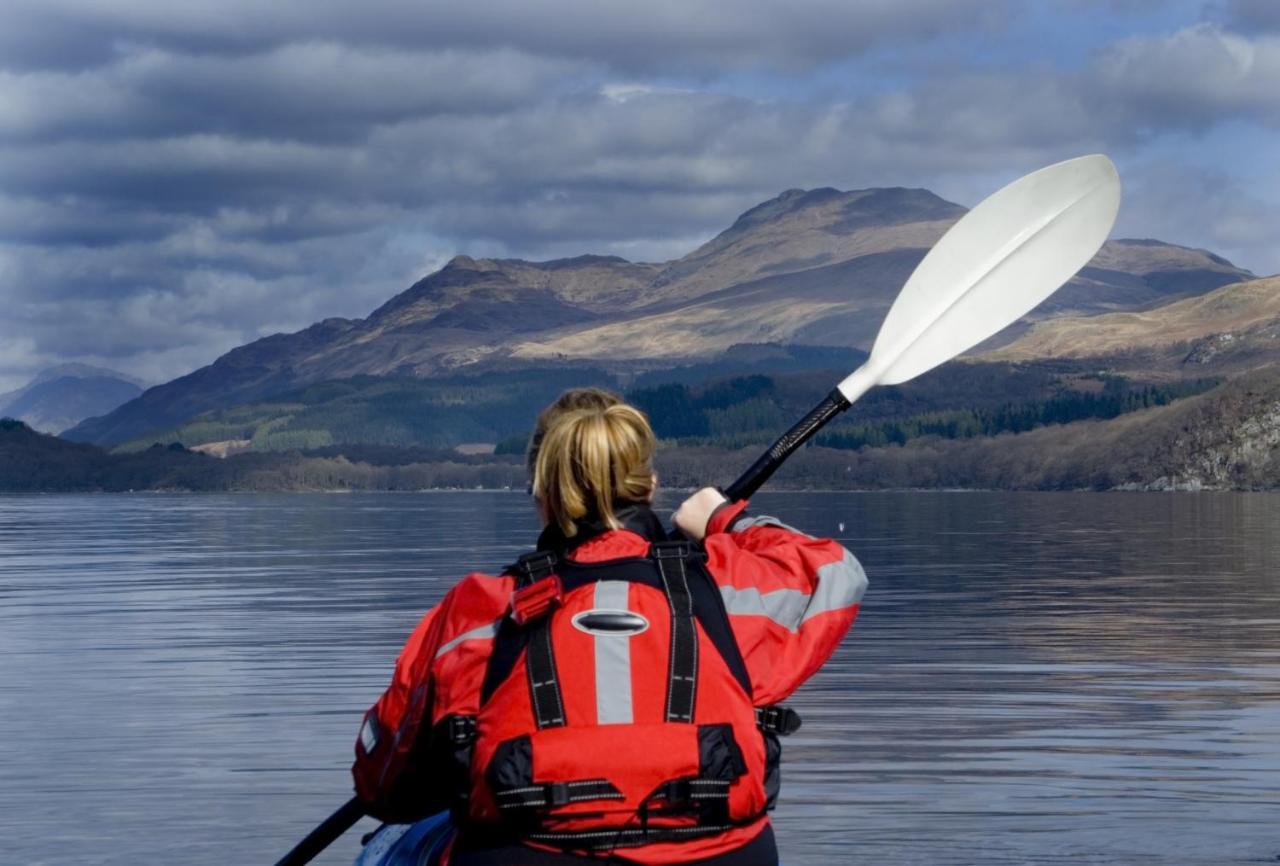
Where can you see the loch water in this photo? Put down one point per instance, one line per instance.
(1034, 678)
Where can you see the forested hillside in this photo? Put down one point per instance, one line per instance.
(1227, 437)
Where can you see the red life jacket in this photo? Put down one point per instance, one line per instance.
(616, 709)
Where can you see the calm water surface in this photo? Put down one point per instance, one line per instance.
(1034, 678)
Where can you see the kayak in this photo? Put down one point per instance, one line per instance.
(419, 844)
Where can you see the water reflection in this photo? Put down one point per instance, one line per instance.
(1035, 678)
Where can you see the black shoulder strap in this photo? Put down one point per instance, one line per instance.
(507, 646)
(544, 681)
(671, 559)
(511, 639)
(708, 606)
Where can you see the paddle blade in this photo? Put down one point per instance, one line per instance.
(997, 263)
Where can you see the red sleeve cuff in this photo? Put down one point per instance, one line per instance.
(724, 516)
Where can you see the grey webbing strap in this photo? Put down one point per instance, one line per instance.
(693, 790)
(604, 840)
(553, 794)
(682, 658)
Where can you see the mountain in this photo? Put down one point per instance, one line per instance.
(1232, 328)
(63, 396)
(810, 267)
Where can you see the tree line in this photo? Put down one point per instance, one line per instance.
(748, 410)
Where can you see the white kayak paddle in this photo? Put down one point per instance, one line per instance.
(992, 267)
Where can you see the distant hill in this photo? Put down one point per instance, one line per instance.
(815, 267)
(32, 461)
(63, 396)
(377, 410)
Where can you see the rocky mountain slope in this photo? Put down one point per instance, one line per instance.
(816, 267)
(63, 396)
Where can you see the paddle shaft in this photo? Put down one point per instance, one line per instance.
(787, 443)
(325, 835)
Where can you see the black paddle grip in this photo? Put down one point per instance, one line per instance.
(788, 442)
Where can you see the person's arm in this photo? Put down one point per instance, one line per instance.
(401, 714)
(790, 597)
(437, 673)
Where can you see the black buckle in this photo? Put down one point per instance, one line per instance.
(677, 791)
(532, 567)
(777, 719)
(557, 794)
(462, 730)
(676, 550)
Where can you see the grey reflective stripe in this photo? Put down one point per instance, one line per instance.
(747, 521)
(613, 659)
(482, 633)
(783, 606)
(840, 585)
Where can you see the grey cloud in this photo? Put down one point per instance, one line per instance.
(1192, 78)
(143, 308)
(536, 159)
(653, 36)
(1253, 14)
(312, 91)
(193, 174)
(1202, 207)
(75, 221)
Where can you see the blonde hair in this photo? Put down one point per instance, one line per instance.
(574, 398)
(589, 452)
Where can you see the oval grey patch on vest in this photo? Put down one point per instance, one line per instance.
(608, 622)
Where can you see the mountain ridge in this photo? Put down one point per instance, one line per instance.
(806, 267)
(62, 396)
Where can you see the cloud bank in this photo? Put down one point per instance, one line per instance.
(176, 180)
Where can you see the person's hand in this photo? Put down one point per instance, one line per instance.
(692, 515)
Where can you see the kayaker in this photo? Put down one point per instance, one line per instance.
(615, 694)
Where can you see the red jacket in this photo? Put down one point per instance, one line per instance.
(790, 598)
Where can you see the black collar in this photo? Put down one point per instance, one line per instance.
(636, 517)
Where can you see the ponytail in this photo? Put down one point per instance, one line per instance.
(590, 459)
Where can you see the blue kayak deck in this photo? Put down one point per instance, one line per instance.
(419, 844)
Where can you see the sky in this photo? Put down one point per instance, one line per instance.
(177, 179)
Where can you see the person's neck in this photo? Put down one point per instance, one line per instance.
(637, 517)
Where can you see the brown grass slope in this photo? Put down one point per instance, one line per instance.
(1236, 323)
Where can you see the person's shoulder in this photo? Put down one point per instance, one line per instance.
(479, 595)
